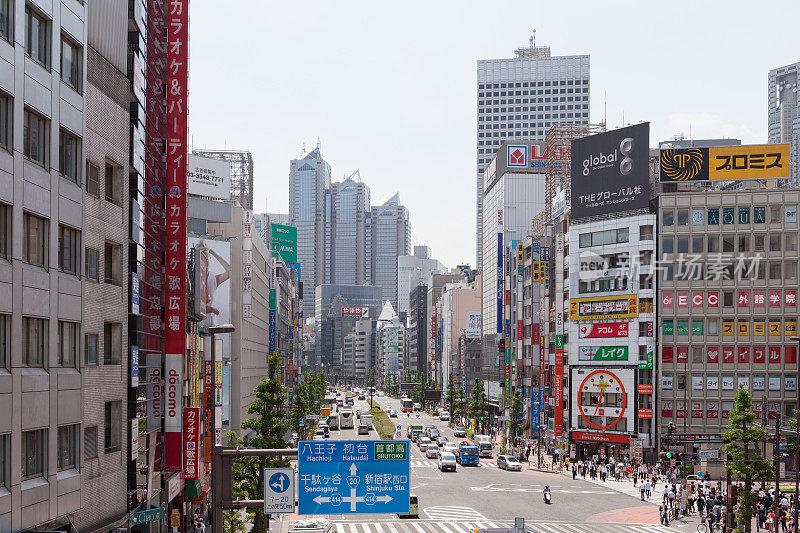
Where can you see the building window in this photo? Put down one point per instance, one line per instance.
(91, 349)
(759, 214)
(68, 446)
(744, 243)
(69, 158)
(5, 340)
(5, 461)
(35, 138)
(791, 242)
(775, 270)
(6, 21)
(34, 341)
(5, 230)
(92, 179)
(92, 264)
(90, 443)
(71, 63)
(667, 217)
(113, 185)
(111, 430)
(34, 449)
(683, 245)
(790, 270)
(775, 242)
(69, 249)
(6, 119)
(35, 245)
(683, 217)
(667, 245)
(697, 245)
(758, 243)
(37, 36)
(112, 263)
(68, 343)
(112, 341)
(646, 233)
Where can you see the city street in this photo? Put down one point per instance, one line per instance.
(489, 497)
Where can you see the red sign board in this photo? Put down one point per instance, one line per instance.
(177, 67)
(208, 410)
(603, 331)
(644, 413)
(191, 443)
(355, 311)
(601, 437)
(645, 388)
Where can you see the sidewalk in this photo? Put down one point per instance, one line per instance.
(625, 486)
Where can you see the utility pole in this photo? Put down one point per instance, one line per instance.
(777, 460)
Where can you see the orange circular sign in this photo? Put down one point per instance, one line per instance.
(602, 382)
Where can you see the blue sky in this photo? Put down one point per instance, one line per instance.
(389, 88)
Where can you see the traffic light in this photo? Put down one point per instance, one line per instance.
(669, 455)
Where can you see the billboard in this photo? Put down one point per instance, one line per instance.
(473, 329)
(209, 177)
(610, 172)
(515, 156)
(758, 161)
(603, 331)
(603, 307)
(603, 399)
(284, 242)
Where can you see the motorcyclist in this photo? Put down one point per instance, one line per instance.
(546, 495)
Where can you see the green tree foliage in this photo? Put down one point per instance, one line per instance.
(269, 428)
(451, 395)
(516, 422)
(478, 405)
(232, 522)
(308, 398)
(745, 462)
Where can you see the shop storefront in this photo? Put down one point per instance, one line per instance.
(603, 445)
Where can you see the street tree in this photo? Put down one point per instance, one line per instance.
(744, 460)
(515, 417)
(269, 431)
(451, 395)
(478, 404)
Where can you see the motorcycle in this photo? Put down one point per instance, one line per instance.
(547, 496)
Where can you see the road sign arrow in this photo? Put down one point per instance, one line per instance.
(353, 499)
(353, 469)
(385, 498)
(321, 499)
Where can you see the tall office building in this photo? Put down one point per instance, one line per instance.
(784, 115)
(241, 173)
(349, 202)
(522, 97)
(309, 178)
(390, 238)
(413, 271)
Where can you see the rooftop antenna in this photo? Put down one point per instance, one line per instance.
(532, 40)
(605, 108)
(304, 148)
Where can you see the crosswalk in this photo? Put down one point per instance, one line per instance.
(423, 463)
(436, 526)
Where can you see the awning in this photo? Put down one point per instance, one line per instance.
(194, 488)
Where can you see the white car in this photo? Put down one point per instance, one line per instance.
(444, 416)
(447, 461)
(319, 437)
(423, 443)
(450, 447)
(432, 451)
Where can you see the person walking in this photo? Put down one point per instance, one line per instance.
(641, 491)
(647, 488)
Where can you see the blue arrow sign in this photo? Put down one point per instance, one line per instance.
(350, 477)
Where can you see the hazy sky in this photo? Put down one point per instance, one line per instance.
(390, 88)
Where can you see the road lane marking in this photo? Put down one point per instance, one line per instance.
(339, 528)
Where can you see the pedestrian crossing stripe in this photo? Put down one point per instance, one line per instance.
(421, 463)
(433, 526)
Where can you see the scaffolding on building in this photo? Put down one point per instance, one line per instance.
(241, 173)
(558, 153)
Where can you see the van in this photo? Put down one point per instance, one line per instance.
(413, 508)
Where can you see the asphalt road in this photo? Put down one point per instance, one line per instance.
(486, 494)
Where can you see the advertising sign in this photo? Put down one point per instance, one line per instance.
(215, 292)
(500, 282)
(177, 55)
(351, 477)
(284, 242)
(209, 177)
(759, 161)
(536, 404)
(603, 307)
(558, 385)
(602, 399)
(473, 329)
(191, 443)
(134, 438)
(355, 311)
(603, 353)
(603, 331)
(610, 172)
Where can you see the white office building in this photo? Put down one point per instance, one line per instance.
(784, 115)
(413, 271)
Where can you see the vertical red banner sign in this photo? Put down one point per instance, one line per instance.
(558, 385)
(191, 443)
(175, 234)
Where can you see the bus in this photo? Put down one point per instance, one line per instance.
(346, 419)
(407, 405)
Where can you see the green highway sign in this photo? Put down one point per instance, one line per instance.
(391, 451)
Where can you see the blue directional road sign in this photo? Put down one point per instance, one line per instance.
(351, 477)
(278, 490)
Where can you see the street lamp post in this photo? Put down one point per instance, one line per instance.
(796, 450)
(210, 355)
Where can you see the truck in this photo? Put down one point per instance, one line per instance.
(333, 421)
(346, 419)
(467, 455)
(366, 419)
(484, 443)
(413, 431)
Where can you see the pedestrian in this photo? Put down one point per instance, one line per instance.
(671, 497)
(574, 471)
(200, 527)
(701, 504)
(647, 488)
(642, 492)
(635, 475)
(666, 494)
(664, 515)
